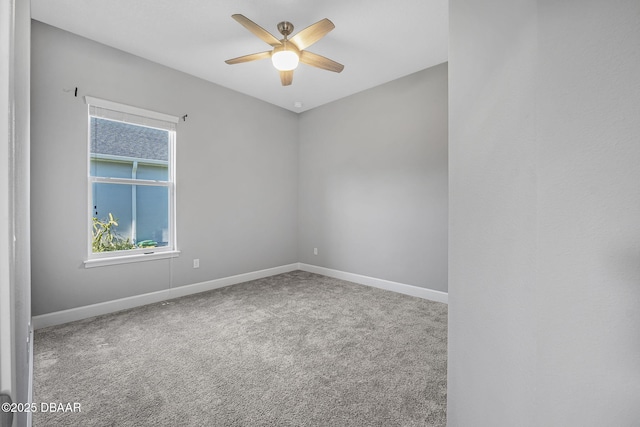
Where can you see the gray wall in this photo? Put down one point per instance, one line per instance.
(544, 237)
(370, 171)
(236, 174)
(373, 182)
(21, 201)
(15, 304)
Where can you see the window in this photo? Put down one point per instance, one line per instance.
(131, 183)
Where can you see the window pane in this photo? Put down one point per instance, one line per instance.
(152, 214)
(124, 142)
(127, 151)
(153, 172)
(111, 169)
(114, 199)
(141, 213)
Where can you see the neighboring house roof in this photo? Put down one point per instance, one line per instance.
(126, 140)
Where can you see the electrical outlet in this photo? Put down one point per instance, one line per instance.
(315, 251)
(196, 263)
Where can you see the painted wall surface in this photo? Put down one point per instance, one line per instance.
(544, 234)
(373, 182)
(236, 174)
(588, 111)
(7, 317)
(21, 200)
(15, 271)
(492, 220)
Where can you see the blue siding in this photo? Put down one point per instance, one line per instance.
(152, 203)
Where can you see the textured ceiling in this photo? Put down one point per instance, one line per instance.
(377, 40)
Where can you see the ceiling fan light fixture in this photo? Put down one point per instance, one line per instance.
(285, 60)
(286, 54)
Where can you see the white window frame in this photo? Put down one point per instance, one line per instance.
(110, 110)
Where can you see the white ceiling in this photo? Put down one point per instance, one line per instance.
(376, 40)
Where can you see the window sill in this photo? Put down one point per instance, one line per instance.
(126, 259)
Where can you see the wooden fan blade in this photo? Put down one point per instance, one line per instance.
(256, 29)
(319, 61)
(312, 34)
(286, 77)
(247, 58)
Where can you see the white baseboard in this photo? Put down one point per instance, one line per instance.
(79, 313)
(414, 291)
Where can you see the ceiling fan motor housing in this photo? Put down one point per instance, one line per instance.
(285, 28)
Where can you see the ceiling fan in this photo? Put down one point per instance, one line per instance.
(287, 53)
